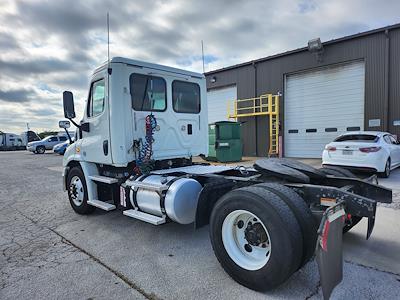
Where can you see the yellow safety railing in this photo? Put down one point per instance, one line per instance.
(264, 105)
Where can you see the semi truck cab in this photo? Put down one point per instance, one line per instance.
(122, 93)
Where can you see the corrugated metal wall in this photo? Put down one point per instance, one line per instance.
(382, 81)
(394, 81)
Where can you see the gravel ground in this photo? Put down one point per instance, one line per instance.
(48, 251)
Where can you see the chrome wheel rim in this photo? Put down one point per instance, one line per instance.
(76, 191)
(246, 240)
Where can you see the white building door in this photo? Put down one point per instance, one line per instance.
(320, 105)
(217, 100)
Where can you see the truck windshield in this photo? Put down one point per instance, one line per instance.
(148, 93)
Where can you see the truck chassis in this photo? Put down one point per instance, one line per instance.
(266, 221)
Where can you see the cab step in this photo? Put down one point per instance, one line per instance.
(102, 205)
(103, 179)
(142, 216)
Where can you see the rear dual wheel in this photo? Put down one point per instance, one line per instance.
(302, 212)
(256, 237)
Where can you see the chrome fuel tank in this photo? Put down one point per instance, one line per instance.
(180, 198)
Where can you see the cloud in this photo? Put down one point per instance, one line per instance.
(34, 66)
(8, 42)
(16, 96)
(44, 112)
(47, 47)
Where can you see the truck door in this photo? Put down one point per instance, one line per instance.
(95, 146)
(175, 103)
(186, 113)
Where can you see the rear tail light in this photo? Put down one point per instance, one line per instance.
(370, 149)
(330, 148)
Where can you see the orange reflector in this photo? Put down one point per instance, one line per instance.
(328, 201)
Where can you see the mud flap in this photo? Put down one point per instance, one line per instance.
(329, 249)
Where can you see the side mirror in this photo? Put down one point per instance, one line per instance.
(68, 102)
(64, 124)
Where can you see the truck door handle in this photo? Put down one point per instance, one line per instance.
(105, 147)
(190, 129)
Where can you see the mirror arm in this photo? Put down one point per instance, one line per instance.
(73, 122)
(69, 137)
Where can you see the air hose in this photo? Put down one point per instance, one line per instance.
(144, 163)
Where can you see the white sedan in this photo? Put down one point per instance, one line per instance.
(364, 150)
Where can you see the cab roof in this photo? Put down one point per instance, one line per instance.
(139, 63)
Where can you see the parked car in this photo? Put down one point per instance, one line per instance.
(364, 150)
(46, 144)
(60, 148)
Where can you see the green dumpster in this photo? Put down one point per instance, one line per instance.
(225, 141)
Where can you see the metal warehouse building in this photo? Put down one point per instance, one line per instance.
(346, 84)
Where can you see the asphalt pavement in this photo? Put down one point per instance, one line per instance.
(48, 251)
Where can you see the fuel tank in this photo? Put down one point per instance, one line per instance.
(180, 198)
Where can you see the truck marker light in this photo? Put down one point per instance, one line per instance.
(78, 149)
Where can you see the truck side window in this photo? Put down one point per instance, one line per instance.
(96, 99)
(186, 97)
(148, 93)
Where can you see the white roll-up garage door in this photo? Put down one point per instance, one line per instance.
(320, 105)
(217, 101)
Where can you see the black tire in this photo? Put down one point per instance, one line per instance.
(303, 214)
(40, 149)
(386, 173)
(83, 208)
(337, 171)
(283, 229)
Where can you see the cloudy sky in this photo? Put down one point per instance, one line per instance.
(50, 46)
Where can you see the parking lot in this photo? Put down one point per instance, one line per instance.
(48, 251)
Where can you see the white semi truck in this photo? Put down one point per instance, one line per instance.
(141, 127)
(11, 141)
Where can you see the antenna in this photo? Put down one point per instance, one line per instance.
(109, 70)
(202, 53)
(108, 39)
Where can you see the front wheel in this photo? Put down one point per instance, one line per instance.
(77, 192)
(40, 150)
(256, 238)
